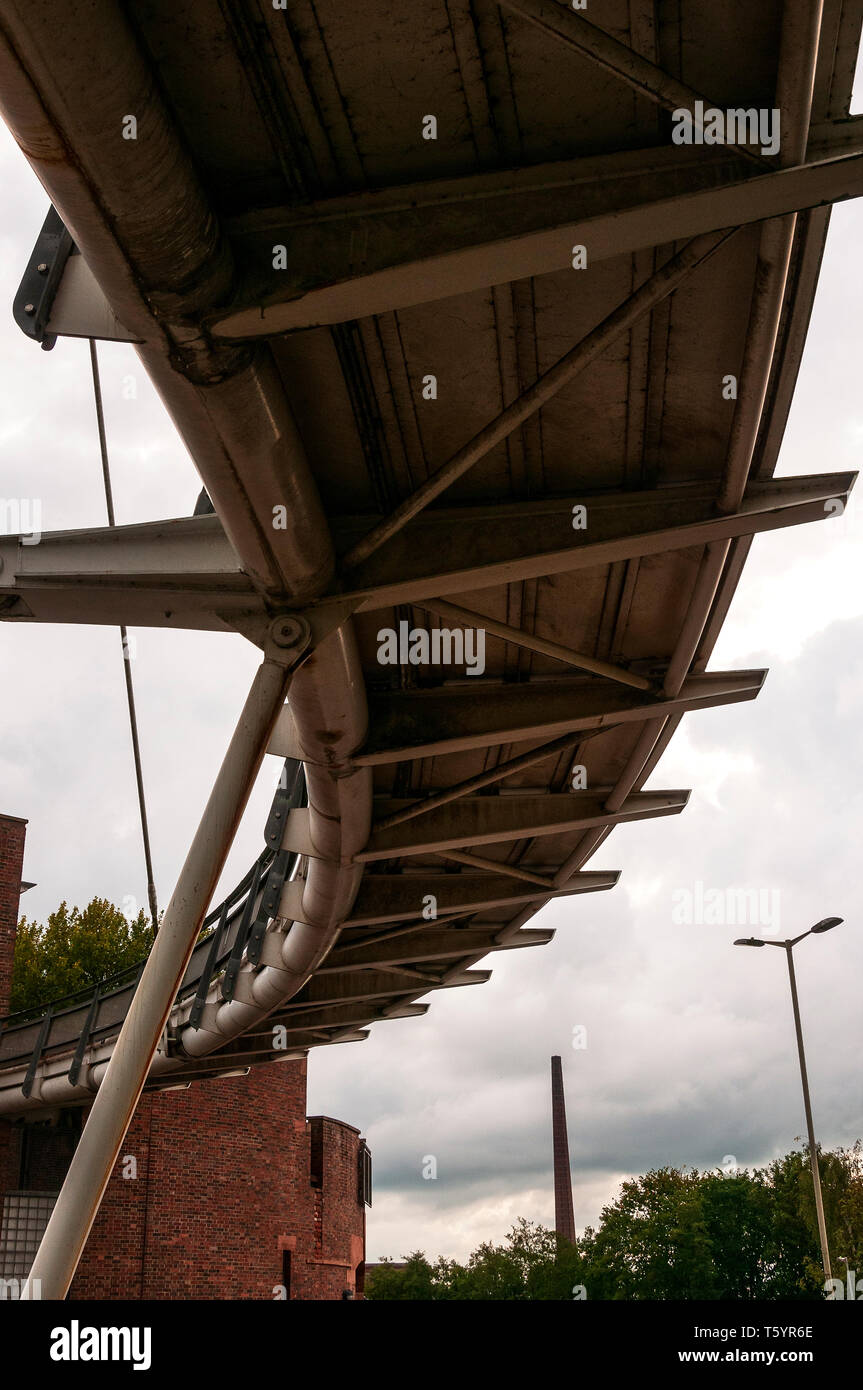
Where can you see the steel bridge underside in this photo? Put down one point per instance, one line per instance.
(409, 407)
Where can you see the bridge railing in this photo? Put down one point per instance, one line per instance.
(95, 1013)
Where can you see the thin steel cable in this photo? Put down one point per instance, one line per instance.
(127, 669)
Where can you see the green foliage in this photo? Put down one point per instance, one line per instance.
(533, 1263)
(74, 950)
(416, 1279)
(653, 1242)
(670, 1234)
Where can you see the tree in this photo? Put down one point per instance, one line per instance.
(532, 1263)
(671, 1234)
(841, 1172)
(413, 1280)
(653, 1241)
(844, 1178)
(74, 950)
(738, 1215)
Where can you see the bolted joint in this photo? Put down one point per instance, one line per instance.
(288, 638)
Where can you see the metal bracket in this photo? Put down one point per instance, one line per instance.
(321, 619)
(229, 979)
(36, 1057)
(289, 794)
(59, 296)
(31, 307)
(84, 1039)
(269, 907)
(209, 968)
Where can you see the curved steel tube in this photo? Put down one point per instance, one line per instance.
(161, 258)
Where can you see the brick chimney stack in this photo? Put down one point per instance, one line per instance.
(564, 1218)
(12, 831)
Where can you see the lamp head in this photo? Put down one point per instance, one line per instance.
(826, 924)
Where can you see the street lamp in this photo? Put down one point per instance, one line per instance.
(826, 924)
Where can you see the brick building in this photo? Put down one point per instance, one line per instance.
(12, 832)
(225, 1189)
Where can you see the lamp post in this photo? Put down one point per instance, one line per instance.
(788, 946)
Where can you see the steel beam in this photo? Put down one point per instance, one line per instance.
(589, 41)
(428, 945)
(460, 549)
(657, 287)
(490, 820)
(429, 241)
(466, 617)
(147, 229)
(355, 987)
(310, 1019)
(402, 930)
(393, 897)
(495, 866)
(184, 573)
(840, 136)
(484, 779)
(191, 549)
(427, 723)
(178, 573)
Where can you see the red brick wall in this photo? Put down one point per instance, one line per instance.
(223, 1188)
(338, 1234)
(12, 831)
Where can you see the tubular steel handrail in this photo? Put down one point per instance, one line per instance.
(215, 949)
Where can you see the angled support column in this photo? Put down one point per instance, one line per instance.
(136, 1046)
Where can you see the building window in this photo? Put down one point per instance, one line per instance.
(364, 1166)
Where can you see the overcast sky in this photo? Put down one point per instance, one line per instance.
(690, 1046)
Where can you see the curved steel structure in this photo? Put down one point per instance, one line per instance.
(88, 1021)
(460, 339)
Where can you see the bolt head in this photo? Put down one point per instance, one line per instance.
(289, 631)
(29, 308)
(42, 267)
